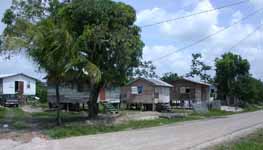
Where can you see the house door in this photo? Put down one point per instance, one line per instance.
(19, 87)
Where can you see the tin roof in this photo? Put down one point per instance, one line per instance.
(196, 82)
(155, 82)
(15, 74)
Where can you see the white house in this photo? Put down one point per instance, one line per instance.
(17, 83)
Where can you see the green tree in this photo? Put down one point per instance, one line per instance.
(231, 69)
(145, 70)
(107, 37)
(96, 40)
(45, 38)
(249, 90)
(199, 68)
(170, 77)
(41, 92)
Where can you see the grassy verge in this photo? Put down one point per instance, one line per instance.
(75, 122)
(78, 130)
(214, 113)
(251, 142)
(2, 113)
(252, 108)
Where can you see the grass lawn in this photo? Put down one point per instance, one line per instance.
(75, 122)
(251, 142)
(2, 113)
(214, 113)
(78, 130)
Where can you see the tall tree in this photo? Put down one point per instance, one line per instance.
(107, 37)
(230, 70)
(44, 37)
(170, 77)
(94, 38)
(199, 68)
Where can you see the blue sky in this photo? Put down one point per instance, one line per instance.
(167, 38)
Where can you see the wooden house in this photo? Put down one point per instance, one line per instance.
(185, 92)
(146, 93)
(110, 94)
(73, 96)
(18, 83)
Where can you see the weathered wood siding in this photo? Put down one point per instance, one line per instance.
(164, 94)
(69, 94)
(73, 94)
(146, 97)
(113, 94)
(110, 94)
(197, 92)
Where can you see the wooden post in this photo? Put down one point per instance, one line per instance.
(154, 107)
(67, 105)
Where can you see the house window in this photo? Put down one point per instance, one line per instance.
(182, 90)
(185, 90)
(28, 85)
(212, 90)
(134, 90)
(156, 95)
(137, 90)
(140, 89)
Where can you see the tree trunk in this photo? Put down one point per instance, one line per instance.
(59, 122)
(93, 101)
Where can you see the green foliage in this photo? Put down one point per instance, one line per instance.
(252, 142)
(145, 70)
(78, 130)
(170, 77)
(199, 68)
(249, 90)
(2, 112)
(232, 77)
(107, 36)
(41, 91)
(81, 39)
(9, 17)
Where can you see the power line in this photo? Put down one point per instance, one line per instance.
(245, 38)
(209, 36)
(195, 14)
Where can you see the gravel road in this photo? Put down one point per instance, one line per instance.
(180, 136)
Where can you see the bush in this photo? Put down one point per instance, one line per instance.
(41, 92)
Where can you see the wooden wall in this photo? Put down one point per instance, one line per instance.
(69, 93)
(198, 92)
(146, 97)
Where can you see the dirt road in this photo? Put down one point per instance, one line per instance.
(187, 135)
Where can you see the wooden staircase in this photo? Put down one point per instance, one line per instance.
(109, 108)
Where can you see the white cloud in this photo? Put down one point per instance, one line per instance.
(19, 63)
(257, 3)
(178, 63)
(189, 28)
(194, 28)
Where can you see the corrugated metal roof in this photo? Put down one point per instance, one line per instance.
(7, 75)
(197, 82)
(15, 74)
(158, 82)
(155, 82)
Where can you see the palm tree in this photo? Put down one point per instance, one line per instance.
(56, 51)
